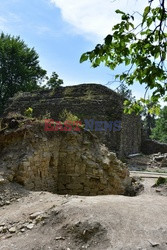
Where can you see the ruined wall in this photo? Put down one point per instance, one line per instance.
(130, 135)
(151, 146)
(87, 101)
(61, 162)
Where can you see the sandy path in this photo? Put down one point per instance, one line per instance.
(129, 223)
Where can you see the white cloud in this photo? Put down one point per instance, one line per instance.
(6, 21)
(43, 30)
(95, 18)
(3, 22)
(12, 17)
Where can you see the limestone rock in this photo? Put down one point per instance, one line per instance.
(30, 226)
(34, 215)
(12, 230)
(61, 163)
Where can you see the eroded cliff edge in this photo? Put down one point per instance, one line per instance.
(60, 162)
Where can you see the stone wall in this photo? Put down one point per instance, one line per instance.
(151, 147)
(60, 162)
(87, 101)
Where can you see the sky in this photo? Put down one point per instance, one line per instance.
(61, 30)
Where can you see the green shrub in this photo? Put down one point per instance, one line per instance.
(68, 116)
(161, 180)
(28, 112)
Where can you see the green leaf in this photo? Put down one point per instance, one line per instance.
(127, 61)
(97, 62)
(149, 21)
(84, 57)
(132, 25)
(146, 11)
(119, 12)
(108, 39)
(157, 55)
(121, 77)
(126, 102)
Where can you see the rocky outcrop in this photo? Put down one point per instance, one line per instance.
(60, 162)
(86, 101)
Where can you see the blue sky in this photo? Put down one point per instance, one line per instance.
(61, 30)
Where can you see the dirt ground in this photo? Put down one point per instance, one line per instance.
(41, 220)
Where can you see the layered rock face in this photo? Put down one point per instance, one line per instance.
(60, 162)
(87, 101)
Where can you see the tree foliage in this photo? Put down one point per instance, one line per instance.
(125, 92)
(159, 133)
(19, 68)
(141, 48)
(149, 117)
(54, 81)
